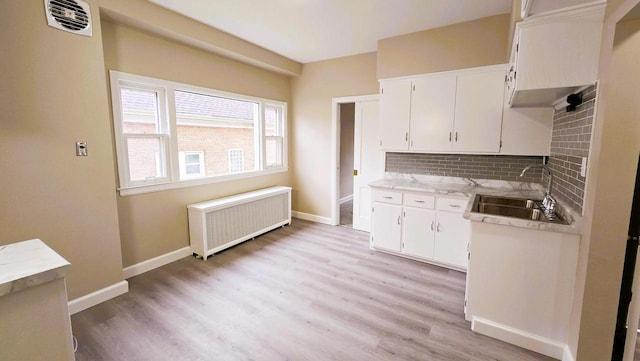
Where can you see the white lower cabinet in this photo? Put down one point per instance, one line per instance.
(421, 226)
(386, 225)
(417, 228)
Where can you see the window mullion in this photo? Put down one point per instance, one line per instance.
(174, 164)
(258, 135)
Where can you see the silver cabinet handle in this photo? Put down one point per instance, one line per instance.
(449, 136)
(456, 136)
(398, 219)
(417, 201)
(432, 224)
(438, 227)
(388, 197)
(454, 205)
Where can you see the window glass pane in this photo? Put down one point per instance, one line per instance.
(236, 160)
(139, 111)
(192, 168)
(215, 125)
(273, 151)
(271, 121)
(146, 158)
(192, 158)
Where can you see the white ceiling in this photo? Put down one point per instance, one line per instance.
(312, 30)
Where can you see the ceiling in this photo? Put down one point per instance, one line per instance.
(312, 30)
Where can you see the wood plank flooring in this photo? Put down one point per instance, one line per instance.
(303, 292)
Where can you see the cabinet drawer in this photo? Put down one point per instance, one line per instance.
(457, 205)
(419, 200)
(387, 197)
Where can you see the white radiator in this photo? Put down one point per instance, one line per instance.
(221, 223)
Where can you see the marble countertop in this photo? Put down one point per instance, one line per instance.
(28, 263)
(468, 187)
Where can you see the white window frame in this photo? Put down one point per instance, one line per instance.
(183, 164)
(282, 135)
(170, 159)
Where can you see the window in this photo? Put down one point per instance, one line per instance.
(236, 160)
(171, 135)
(274, 137)
(191, 165)
(145, 134)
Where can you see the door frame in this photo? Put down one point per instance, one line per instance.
(335, 150)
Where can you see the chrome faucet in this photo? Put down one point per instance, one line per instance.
(549, 202)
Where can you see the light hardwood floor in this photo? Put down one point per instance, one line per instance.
(303, 292)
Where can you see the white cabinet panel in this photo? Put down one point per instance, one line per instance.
(458, 111)
(386, 231)
(432, 112)
(418, 229)
(419, 200)
(395, 105)
(452, 239)
(526, 131)
(478, 112)
(387, 197)
(542, 76)
(408, 224)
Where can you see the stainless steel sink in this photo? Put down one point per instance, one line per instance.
(507, 201)
(521, 208)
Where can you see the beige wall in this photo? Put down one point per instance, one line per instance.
(516, 7)
(347, 123)
(53, 94)
(611, 175)
(156, 223)
(465, 45)
(312, 93)
(158, 20)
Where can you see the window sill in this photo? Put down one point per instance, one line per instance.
(130, 191)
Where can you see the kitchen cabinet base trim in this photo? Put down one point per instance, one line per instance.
(420, 259)
(518, 337)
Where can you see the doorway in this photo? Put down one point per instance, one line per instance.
(347, 123)
(357, 159)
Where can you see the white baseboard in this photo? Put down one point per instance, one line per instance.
(312, 218)
(148, 265)
(568, 355)
(346, 199)
(82, 303)
(543, 345)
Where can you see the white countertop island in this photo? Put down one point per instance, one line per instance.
(33, 303)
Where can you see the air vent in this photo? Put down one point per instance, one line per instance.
(73, 16)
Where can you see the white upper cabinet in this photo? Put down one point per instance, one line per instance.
(457, 111)
(478, 114)
(534, 7)
(555, 54)
(395, 105)
(432, 113)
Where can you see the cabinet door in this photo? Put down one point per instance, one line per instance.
(451, 239)
(432, 112)
(386, 226)
(478, 112)
(418, 229)
(395, 105)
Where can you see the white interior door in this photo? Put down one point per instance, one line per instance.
(368, 161)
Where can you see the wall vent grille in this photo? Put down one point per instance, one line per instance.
(73, 16)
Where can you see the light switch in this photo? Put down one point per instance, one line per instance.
(81, 149)
(583, 167)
